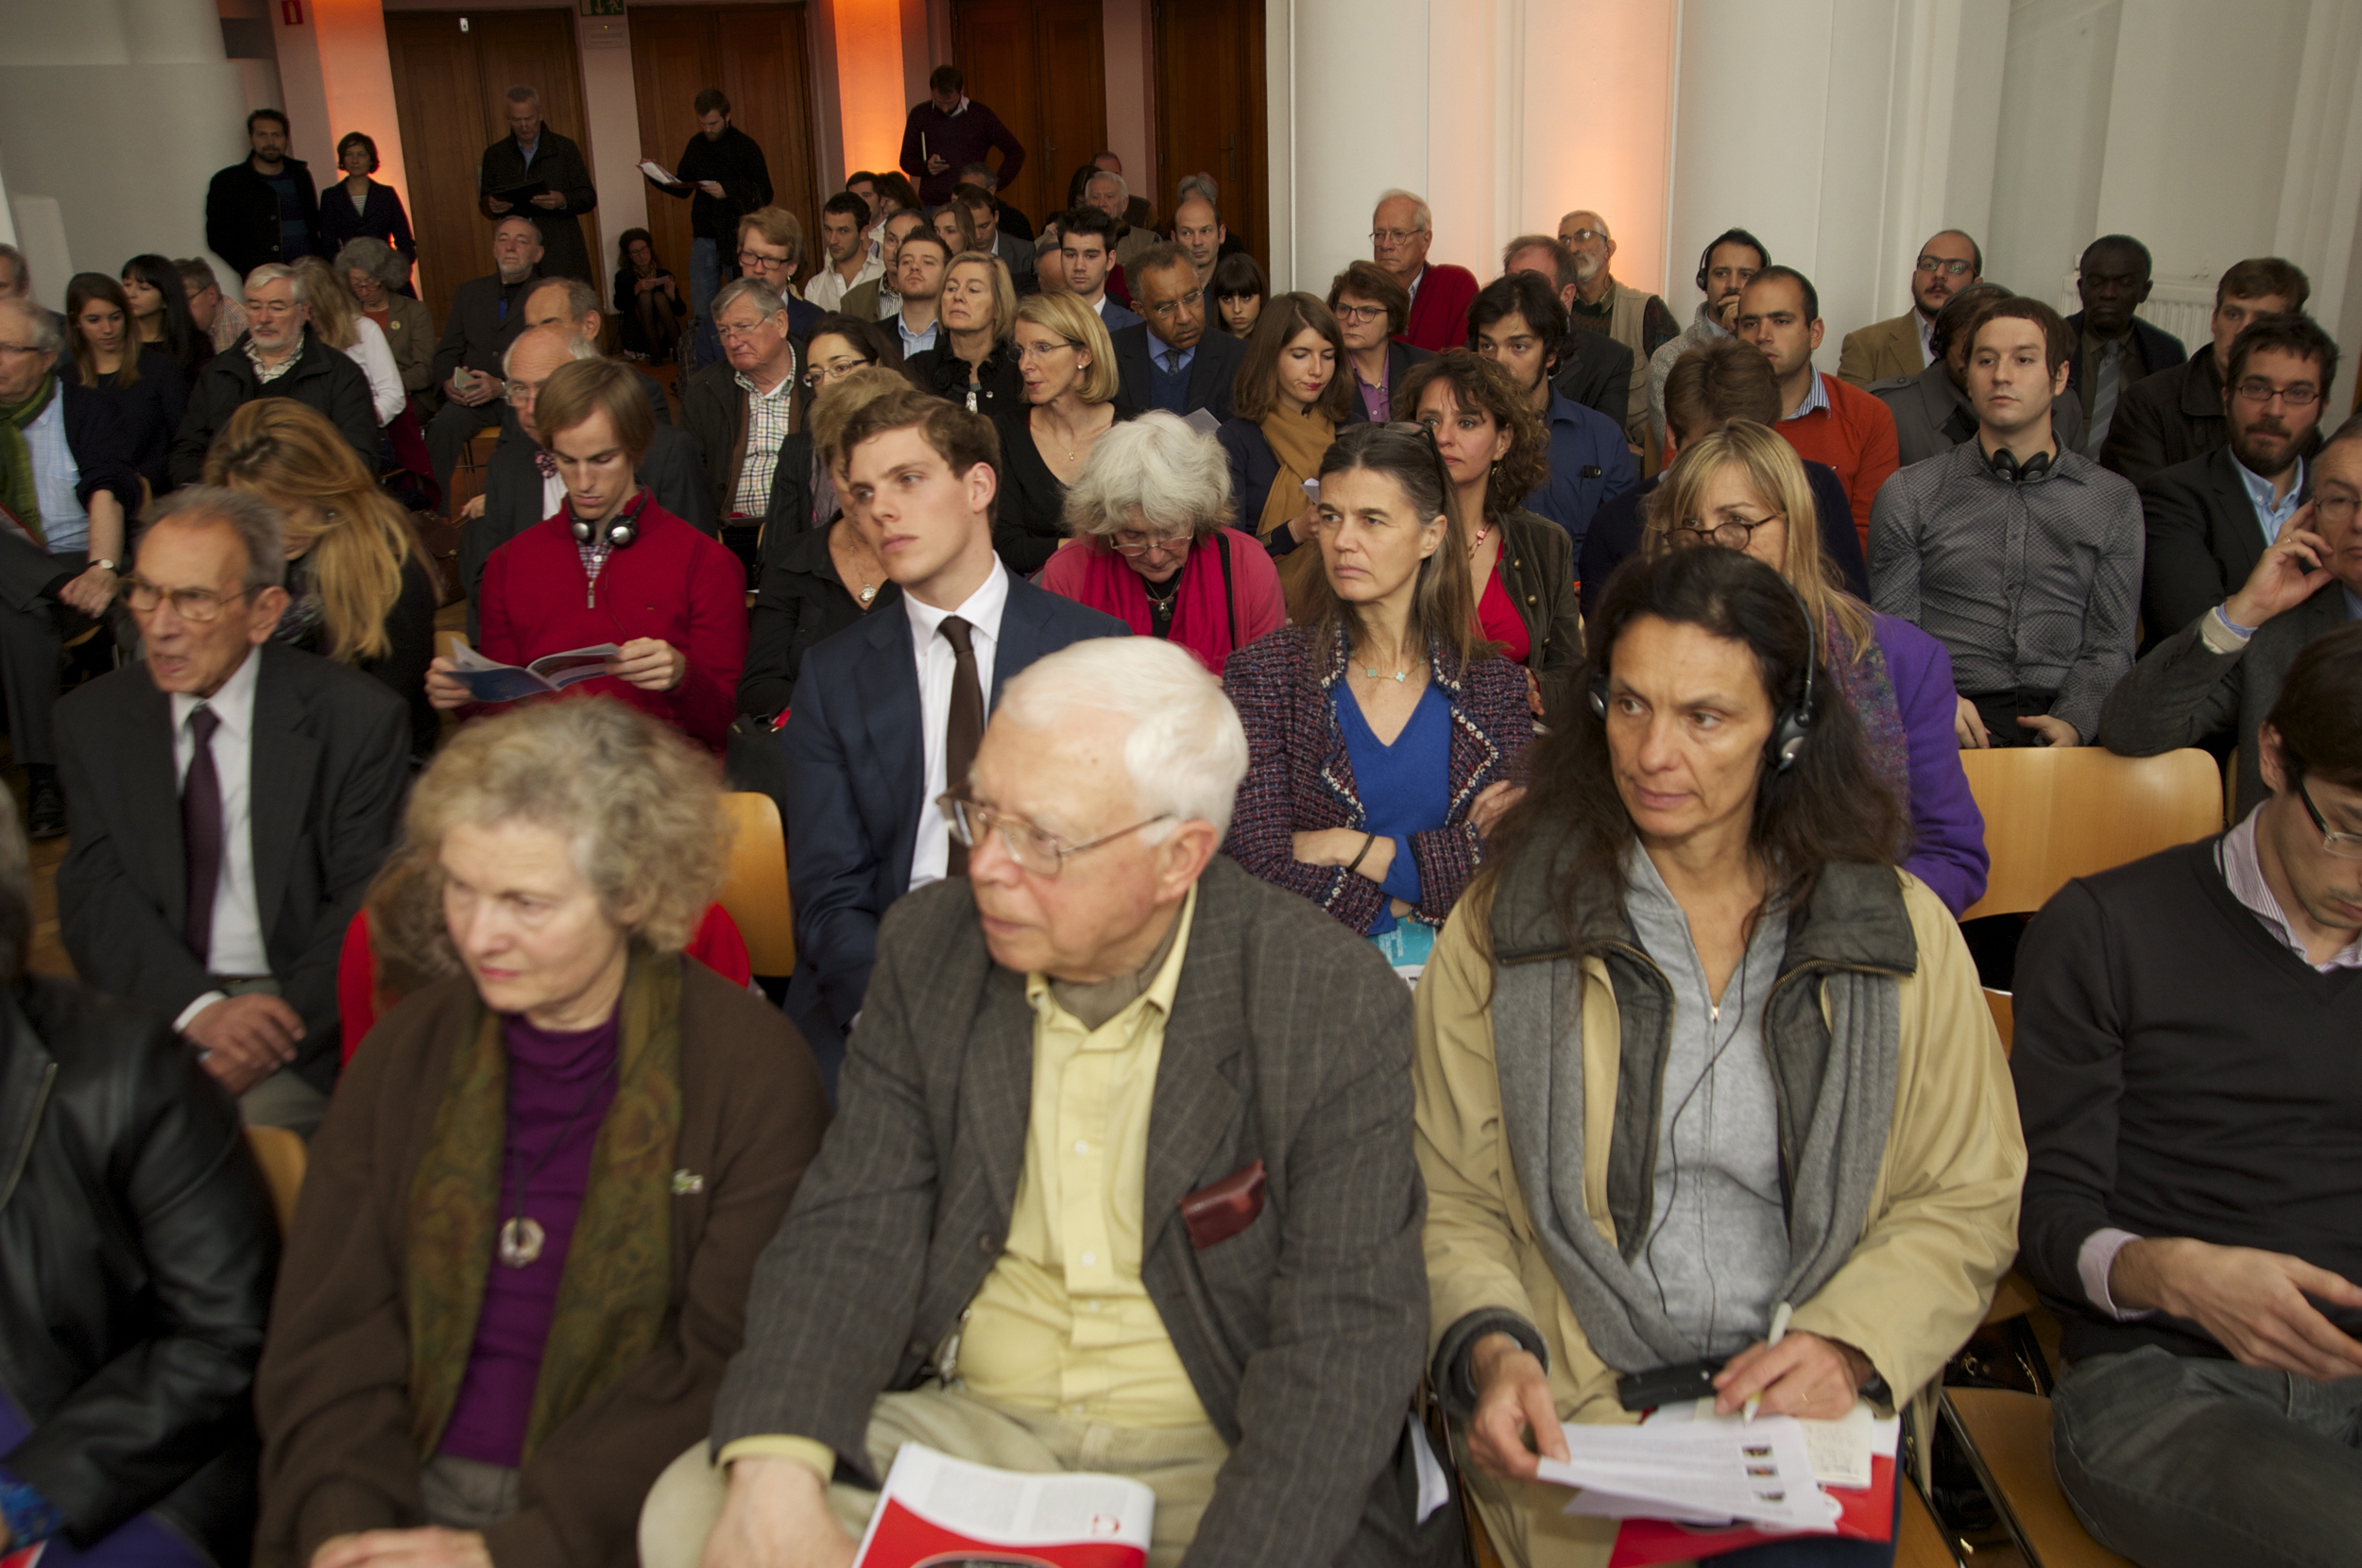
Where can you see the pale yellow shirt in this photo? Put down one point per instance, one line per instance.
(1062, 1322)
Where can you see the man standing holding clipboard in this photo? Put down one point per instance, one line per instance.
(535, 171)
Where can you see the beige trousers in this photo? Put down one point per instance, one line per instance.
(1178, 1466)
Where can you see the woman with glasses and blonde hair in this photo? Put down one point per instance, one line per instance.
(360, 588)
(1067, 363)
(338, 321)
(974, 362)
(1736, 488)
(1152, 546)
(1384, 735)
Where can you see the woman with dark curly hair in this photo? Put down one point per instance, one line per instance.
(1521, 567)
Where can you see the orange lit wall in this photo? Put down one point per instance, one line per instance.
(870, 102)
(338, 76)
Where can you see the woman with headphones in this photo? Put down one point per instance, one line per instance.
(1709, 1104)
(610, 566)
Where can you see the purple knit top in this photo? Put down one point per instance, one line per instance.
(549, 1074)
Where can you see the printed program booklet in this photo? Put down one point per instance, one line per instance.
(936, 1510)
(489, 681)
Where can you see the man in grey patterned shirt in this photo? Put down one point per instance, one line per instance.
(2023, 559)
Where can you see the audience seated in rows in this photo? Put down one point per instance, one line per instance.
(334, 318)
(770, 252)
(2210, 519)
(1931, 409)
(360, 587)
(1383, 735)
(67, 485)
(1704, 925)
(744, 413)
(610, 564)
(2216, 679)
(1371, 308)
(2175, 413)
(887, 715)
(974, 359)
(103, 354)
(1594, 369)
(279, 356)
(141, 1250)
(1174, 359)
(1290, 401)
(232, 796)
(2184, 1066)
(2114, 350)
(1032, 1072)
(1723, 267)
(1518, 321)
(572, 305)
(1900, 347)
(1825, 420)
(1706, 389)
(1150, 547)
(521, 1259)
(2021, 556)
(486, 314)
(1073, 396)
(1736, 488)
(1520, 567)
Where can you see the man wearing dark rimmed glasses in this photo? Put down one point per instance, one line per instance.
(2192, 1101)
(1902, 346)
(1121, 1176)
(232, 797)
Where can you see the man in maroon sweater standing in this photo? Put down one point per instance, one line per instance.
(1400, 232)
(2192, 1099)
(949, 131)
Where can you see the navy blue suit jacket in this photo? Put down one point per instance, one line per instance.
(1211, 373)
(856, 766)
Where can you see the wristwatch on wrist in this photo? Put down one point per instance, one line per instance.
(108, 565)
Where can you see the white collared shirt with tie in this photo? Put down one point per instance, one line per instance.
(931, 855)
(237, 930)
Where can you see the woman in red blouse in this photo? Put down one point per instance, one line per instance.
(1520, 565)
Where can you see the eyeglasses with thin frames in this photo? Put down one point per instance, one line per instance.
(1949, 268)
(2346, 846)
(197, 606)
(1040, 853)
(1731, 533)
(2303, 395)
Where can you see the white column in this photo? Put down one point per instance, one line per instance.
(1350, 120)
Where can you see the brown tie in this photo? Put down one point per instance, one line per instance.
(965, 727)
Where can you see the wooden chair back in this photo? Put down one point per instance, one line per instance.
(282, 1155)
(755, 887)
(2055, 813)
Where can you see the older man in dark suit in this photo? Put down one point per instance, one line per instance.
(486, 314)
(1168, 359)
(2218, 676)
(231, 798)
(1123, 1160)
(887, 714)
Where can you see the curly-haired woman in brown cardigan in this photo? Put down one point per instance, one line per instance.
(521, 1259)
(1383, 729)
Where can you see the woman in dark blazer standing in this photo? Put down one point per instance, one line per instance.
(358, 208)
(1383, 738)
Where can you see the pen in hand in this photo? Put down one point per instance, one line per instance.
(1780, 1316)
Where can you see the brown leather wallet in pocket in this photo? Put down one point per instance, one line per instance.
(1219, 1212)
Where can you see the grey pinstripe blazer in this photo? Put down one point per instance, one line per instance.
(1289, 1042)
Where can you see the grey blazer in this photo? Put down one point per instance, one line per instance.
(1303, 1334)
(2181, 692)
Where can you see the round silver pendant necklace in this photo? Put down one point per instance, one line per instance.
(521, 1237)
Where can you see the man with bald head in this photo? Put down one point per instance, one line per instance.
(1634, 317)
(520, 483)
(2113, 346)
(570, 303)
(1400, 232)
(1198, 229)
(1947, 264)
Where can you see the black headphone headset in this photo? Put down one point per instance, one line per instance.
(616, 532)
(2006, 467)
(1793, 726)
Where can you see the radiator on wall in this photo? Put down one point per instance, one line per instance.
(2185, 308)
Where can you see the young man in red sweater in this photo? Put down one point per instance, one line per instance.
(1825, 420)
(673, 599)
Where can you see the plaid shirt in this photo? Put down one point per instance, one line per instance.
(766, 427)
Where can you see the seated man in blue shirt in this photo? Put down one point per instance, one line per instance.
(1518, 322)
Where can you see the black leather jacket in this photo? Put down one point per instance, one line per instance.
(137, 1253)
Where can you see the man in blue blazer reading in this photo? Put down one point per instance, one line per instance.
(887, 714)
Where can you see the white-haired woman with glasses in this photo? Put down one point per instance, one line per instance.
(1149, 543)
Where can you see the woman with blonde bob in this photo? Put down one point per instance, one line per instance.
(1738, 488)
(521, 1256)
(359, 586)
(975, 364)
(1151, 547)
(1067, 363)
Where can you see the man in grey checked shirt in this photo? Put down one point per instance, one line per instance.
(2024, 560)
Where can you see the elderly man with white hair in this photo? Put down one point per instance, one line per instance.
(1120, 1179)
(279, 357)
(1401, 229)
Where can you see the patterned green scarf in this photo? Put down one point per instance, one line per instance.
(17, 491)
(617, 1286)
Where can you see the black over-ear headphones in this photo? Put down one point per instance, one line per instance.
(1793, 726)
(616, 532)
(2006, 467)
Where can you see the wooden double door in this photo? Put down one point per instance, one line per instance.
(756, 54)
(451, 69)
(1211, 109)
(1041, 65)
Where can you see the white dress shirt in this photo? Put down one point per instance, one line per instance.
(237, 935)
(375, 357)
(931, 855)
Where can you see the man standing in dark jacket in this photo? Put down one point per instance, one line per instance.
(533, 154)
(949, 131)
(264, 208)
(722, 174)
(141, 1247)
(279, 357)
